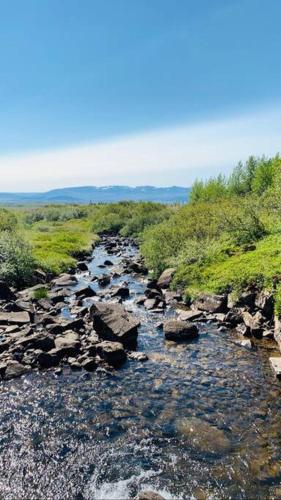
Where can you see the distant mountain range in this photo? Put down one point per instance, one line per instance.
(105, 194)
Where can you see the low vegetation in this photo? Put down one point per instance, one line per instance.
(226, 238)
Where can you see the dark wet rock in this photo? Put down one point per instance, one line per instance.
(86, 291)
(166, 278)
(179, 330)
(120, 291)
(12, 318)
(65, 280)
(108, 262)
(112, 352)
(5, 292)
(48, 359)
(138, 356)
(112, 322)
(190, 315)
(15, 369)
(210, 303)
(82, 266)
(148, 495)
(265, 302)
(104, 280)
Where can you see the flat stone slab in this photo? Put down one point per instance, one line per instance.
(14, 318)
(190, 315)
(276, 366)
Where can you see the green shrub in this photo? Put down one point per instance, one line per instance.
(17, 263)
(8, 220)
(40, 293)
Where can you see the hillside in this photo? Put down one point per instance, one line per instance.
(105, 194)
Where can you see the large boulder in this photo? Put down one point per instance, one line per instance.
(112, 352)
(210, 303)
(112, 322)
(177, 330)
(166, 277)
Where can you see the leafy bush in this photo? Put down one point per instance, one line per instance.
(17, 263)
(8, 220)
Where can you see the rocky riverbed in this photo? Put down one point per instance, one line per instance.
(112, 386)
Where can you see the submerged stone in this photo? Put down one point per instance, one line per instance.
(203, 436)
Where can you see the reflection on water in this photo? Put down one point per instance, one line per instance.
(197, 420)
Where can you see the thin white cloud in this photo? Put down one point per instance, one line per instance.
(161, 157)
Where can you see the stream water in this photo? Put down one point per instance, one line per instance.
(197, 420)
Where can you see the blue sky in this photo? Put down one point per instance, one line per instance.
(87, 74)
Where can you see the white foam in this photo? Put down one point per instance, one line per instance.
(122, 489)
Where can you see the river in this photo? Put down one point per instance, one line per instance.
(197, 420)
